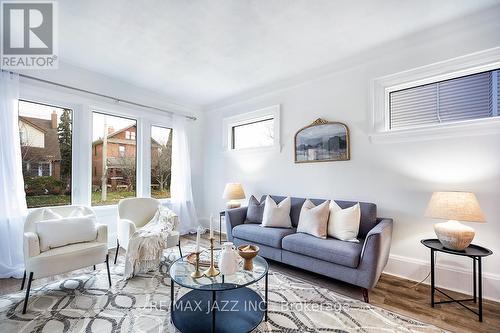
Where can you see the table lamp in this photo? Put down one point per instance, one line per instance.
(454, 207)
(233, 192)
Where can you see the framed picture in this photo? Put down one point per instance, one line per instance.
(322, 141)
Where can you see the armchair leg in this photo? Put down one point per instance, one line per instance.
(24, 280)
(365, 295)
(27, 293)
(117, 248)
(180, 250)
(107, 266)
(94, 267)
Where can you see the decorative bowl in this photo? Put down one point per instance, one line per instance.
(248, 252)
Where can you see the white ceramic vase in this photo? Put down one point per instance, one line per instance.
(229, 259)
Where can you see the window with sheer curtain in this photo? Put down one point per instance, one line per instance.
(459, 99)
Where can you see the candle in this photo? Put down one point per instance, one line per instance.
(198, 232)
(211, 226)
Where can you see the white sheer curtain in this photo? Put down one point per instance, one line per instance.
(12, 198)
(181, 192)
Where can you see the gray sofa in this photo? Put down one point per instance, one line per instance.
(357, 263)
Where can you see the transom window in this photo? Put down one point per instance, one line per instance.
(253, 134)
(464, 98)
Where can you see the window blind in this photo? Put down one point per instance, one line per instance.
(463, 98)
(497, 78)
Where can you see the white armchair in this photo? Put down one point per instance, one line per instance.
(133, 214)
(42, 262)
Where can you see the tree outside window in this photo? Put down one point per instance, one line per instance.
(161, 162)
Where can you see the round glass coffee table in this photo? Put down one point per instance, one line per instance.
(218, 304)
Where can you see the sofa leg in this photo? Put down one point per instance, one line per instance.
(27, 293)
(365, 295)
(107, 266)
(180, 250)
(24, 280)
(117, 248)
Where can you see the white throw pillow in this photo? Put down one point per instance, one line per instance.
(313, 219)
(77, 212)
(343, 224)
(64, 231)
(277, 216)
(49, 214)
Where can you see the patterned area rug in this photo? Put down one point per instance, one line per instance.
(84, 303)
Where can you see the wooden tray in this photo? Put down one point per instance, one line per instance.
(204, 259)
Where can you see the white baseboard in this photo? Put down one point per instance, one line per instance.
(448, 277)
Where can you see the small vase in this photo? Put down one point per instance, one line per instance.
(229, 259)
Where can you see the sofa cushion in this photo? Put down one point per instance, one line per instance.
(277, 215)
(368, 211)
(255, 210)
(343, 224)
(67, 258)
(330, 249)
(313, 219)
(256, 234)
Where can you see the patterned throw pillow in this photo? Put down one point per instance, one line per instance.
(255, 210)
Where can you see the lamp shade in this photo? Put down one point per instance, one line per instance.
(459, 206)
(233, 191)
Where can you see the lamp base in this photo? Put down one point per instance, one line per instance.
(233, 204)
(454, 235)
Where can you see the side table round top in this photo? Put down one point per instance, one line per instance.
(471, 251)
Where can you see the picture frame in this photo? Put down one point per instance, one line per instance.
(322, 141)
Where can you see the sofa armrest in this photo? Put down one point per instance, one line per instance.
(234, 217)
(375, 253)
(31, 245)
(102, 233)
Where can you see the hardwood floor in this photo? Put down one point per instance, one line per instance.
(391, 293)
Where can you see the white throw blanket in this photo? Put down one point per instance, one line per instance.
(146, 245)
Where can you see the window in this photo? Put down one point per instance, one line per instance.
(255, 134)
(252, 130)
(129, 135)
(474, 96)
(161, 161)
(115, 171)
(46, 150)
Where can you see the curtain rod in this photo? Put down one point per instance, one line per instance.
(118, 100)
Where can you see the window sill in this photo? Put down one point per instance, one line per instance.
(445, 131)
(274, 148)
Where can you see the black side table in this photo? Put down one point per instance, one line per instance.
(474, 252)
(221, 214)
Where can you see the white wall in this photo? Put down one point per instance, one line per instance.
(398, 177)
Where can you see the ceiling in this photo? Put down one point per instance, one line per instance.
(204, 51)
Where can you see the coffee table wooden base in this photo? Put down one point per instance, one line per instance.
(234, 310)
